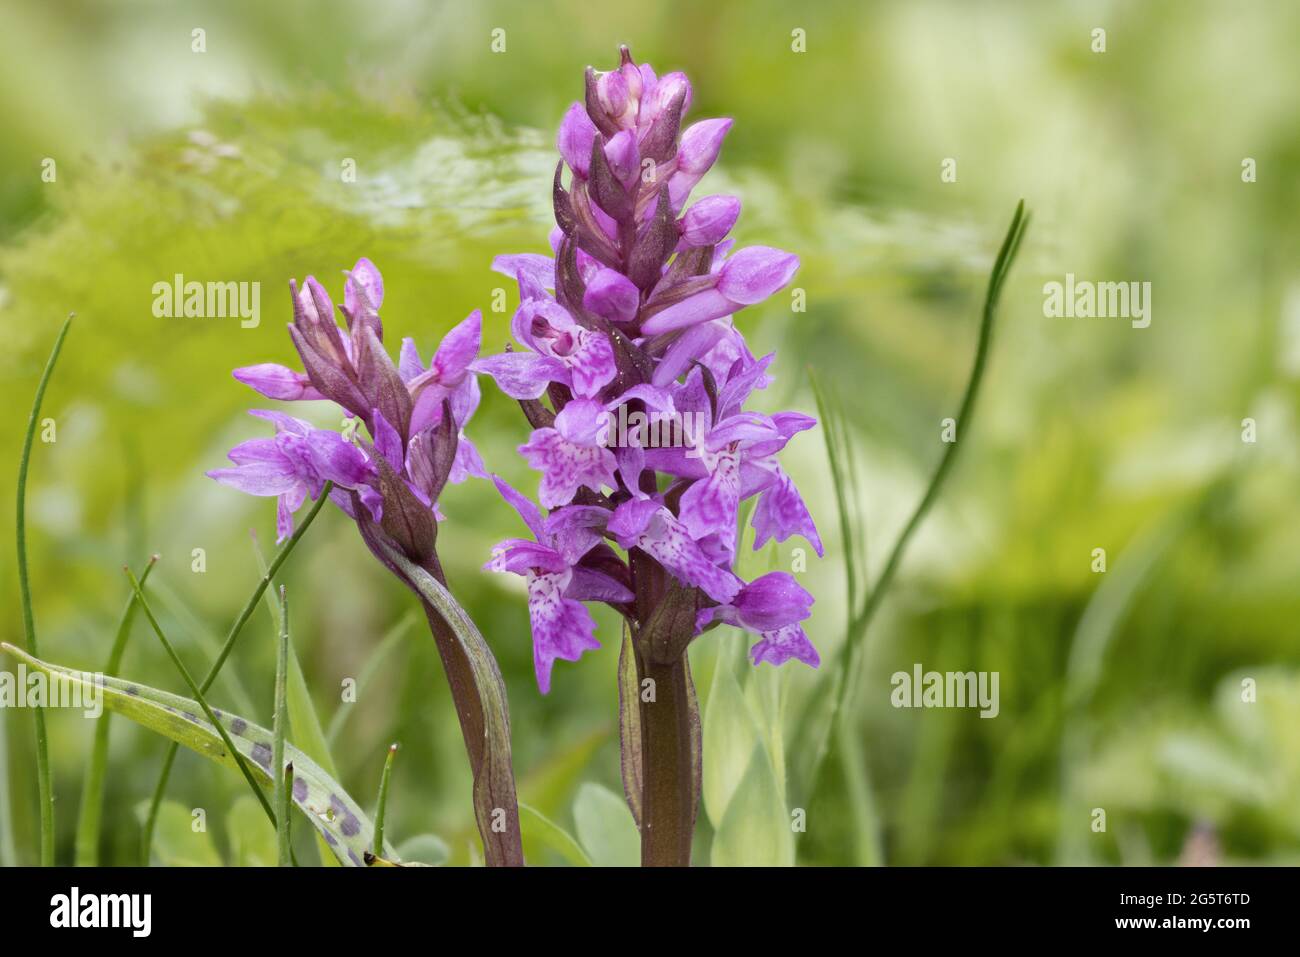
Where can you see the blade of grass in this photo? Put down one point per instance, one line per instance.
(160, 789)
(206, 641)
(839, 454)
(284, 844)
(838, 731)
(383, 800)
(845, 661)
(377, 657)
(8, 849)
(304, 725)
(278, 722)
(1007, 254)
(303, 720)
(44, 784)
(92, 792)
(198, 696)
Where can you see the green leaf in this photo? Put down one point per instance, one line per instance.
(605, 827)
(729, 736)
(202, 700)
(392, 638)
(427, 849)
(251, 838)
(326, 805)
(540, 828)
(755, 831)
(177, 843)
(489, 748)
(629, 726)
(203, 638)
(764, 692)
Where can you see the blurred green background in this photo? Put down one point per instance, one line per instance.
(1119, 690)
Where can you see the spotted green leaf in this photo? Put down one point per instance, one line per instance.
(325, 804)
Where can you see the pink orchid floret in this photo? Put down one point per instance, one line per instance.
(557, 581)
(295, 465)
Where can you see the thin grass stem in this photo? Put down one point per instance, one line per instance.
(383, 800)
(160, 789)
(44, 783)
(198, 696)
(92, 793)
(278, 726)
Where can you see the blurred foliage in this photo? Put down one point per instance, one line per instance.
(1090, 434)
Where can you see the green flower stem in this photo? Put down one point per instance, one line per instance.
(668, 801)
(669, 757)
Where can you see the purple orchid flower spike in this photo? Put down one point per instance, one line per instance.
(634, 377)
(389, 482)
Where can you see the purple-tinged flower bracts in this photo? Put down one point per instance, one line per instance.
(415, 415)
(633, 314)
